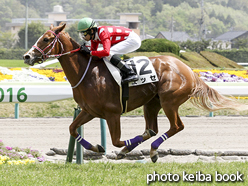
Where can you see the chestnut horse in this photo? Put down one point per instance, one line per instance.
(98, 95)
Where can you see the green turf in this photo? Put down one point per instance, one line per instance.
(64, 108)
(133, 174)
(20, 63)
(12, 63)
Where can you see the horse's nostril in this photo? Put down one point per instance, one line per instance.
(26, 57)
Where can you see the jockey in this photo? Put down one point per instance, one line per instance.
(115, 40)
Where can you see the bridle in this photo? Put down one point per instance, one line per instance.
(45, 56)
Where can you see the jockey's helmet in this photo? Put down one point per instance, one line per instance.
(86, 24)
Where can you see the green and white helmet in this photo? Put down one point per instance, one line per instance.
(86, 24)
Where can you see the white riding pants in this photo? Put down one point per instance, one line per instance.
(131, 44)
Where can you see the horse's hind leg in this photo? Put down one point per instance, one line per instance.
(113, 122)
(151, 110)
(81, 119)
(132, 143)
(176, 125)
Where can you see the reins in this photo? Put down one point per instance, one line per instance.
(44, 56)
(87, 68)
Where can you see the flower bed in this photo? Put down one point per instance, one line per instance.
(223, 75)
(18, 156)
(58, 75)
(31, 75)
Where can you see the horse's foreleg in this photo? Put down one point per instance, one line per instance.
(113, 122)
(176, 125)
(81, 119)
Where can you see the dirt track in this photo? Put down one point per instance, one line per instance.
(202, 133)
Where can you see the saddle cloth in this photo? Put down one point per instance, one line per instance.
(141, 65)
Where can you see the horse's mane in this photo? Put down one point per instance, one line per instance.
(74, 43)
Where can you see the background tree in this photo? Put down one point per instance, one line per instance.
(240, 43)
(9, 10)
(196, 46)
(7, 40)
(173, 2)
(158, 7)
(38, 6)
(35, 30)
(238, 4)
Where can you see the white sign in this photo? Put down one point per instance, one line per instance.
(54, 91)
(238, 91)
(34, 93)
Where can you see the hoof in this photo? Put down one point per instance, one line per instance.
(100, 149)
(120, 156)
(152, 133)
(154, 158)
(154, 155)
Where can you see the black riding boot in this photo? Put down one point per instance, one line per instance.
(129, 74)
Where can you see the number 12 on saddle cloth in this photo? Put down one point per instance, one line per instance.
(141, 65)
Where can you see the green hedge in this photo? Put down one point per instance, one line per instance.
(237, 55)
(12, 53)
(159, 45)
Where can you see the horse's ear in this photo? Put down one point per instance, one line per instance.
(62, 23)
(60, 28)
(51, 26)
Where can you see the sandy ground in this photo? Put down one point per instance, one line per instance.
(202, 133)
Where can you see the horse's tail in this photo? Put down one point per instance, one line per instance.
(209, 99)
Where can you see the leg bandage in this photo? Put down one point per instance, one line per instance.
(160, 140)
(134, 141)
(83, 142)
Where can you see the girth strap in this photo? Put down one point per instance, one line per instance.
(125, 96)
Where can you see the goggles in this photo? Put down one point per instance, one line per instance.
(83, 34)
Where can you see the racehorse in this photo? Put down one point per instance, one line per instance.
(98, 95)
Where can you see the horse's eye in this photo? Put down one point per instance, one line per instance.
(46, 39)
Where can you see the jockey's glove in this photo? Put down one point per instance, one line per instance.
(84, 49)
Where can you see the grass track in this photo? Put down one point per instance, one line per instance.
(19, 63)
(64, 108)
(113, 173)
